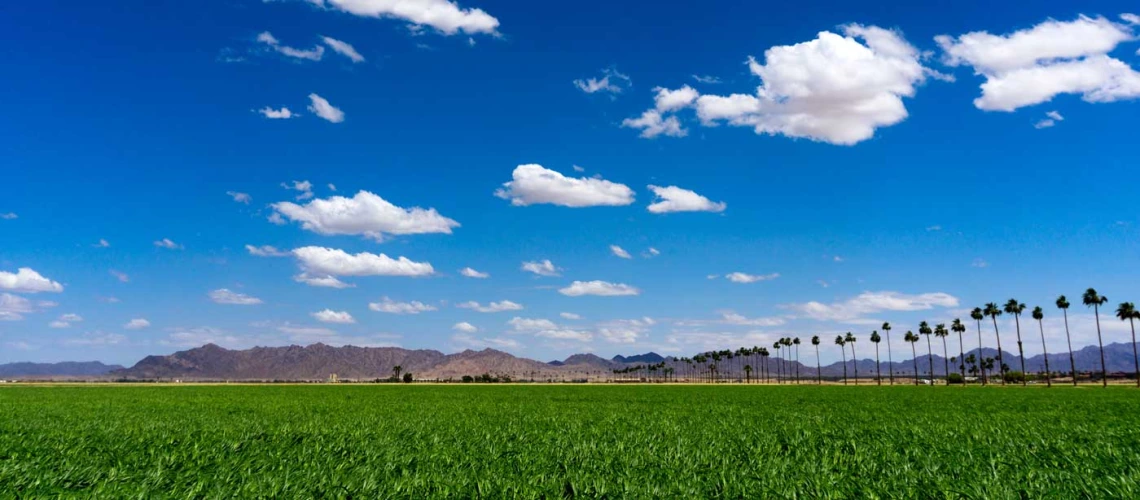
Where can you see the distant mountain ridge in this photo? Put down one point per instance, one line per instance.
(64, 369)
(649, 357)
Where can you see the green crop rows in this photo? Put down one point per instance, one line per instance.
(554, 441)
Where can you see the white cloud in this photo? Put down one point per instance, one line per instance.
(471, 273)
(611, 82)
(527, 324)
(277, 114)
(320, 262)
(541, 268)
(979, 262)
(102, 244)
(59, 324)
(856, 309)
(266, 251)
(493, 307)
(365, 214)
(651, 252)
(313, 54)
(240, 197)
(9, 216)
(13, 307)
(137, 324)
(226, 296)
(492, 342)
(27, 280)
(332, 187)
(119, 275)
(303, 187)
(325, 281)
(570, 316)
(1051, 119)
(445, 16)
(620, 252)
(739, 277)
(706, 79)
(71, 318)
(732, 318)
(168, 244)
(1032, 66)
(674, 199)
(387, 305)
(1053, 115)
(836, 88)
(534, 184)
(671, 100)
(465, 327)
(652, 124)
(331, 316)
(343, 48)
(96, 339)
(934, 228)
(599, 288)
(625, 331)
(548, 329)
(320, 106)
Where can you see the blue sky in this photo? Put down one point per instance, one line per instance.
(870, 178)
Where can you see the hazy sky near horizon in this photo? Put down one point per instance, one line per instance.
(607, 177)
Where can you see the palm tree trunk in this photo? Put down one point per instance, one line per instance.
(946, 361)
(844, 352)
(1103, 370)
(1135, 358)
(890, 360)
(1045, 349)
(818, 373)
(980, 356)
(914, 357)
(962, 357)
(1072, 364)
(1001, 360)
(1020, 351)
(798, 365)
(878, 368)
(930, 359)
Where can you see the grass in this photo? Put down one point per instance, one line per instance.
(551, 441)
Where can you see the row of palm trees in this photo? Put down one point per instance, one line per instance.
(706, 365)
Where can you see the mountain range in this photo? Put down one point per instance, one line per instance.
(319, 361)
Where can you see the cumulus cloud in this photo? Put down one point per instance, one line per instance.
(739, 277)
(611, 82)
(331, 316)
(625, 331)
(857, 308)
(320, 106)
(227, 296)
(620, 252)
(277, 114)
(313, 54)
(365, 214)
(387, 305)
(240, 197)
(305, 188)
(732, 318)
(837, 88)
(167, 244)
(65, 320)
(471, 273)
(343, 48)
(534, 184)
(493, 307)
(674, 199)
(320, 262)
(444, 16)
(27, 280)
(599, 288)
(548, 329)
(13, 307)
(137, 324)
(541, 268)
(266, 251)
(1034, 65)
(570, 316)
(324, 281)
(465, 327)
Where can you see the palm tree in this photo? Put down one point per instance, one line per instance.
(1039, 315)
(818, 374)
(839, 342)
(1015, 308)
(890, 361)
(1127, 311)
(875, 338)
(978, 316)
(776, 345)
(925, 330)
(796, 342)
(941, 331)
(959, 328)
(396, 371)
(1091, 298)
(993, 312)
(1063, 305)
(747, 374)
(850, 339)
(911, 338)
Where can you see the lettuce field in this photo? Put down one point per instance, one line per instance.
(391, 441)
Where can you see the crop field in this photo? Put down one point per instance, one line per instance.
(554, 441)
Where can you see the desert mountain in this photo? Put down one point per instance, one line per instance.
(64, 369)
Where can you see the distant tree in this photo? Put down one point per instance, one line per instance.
(1015, 308)
(396, 371)
(890, 361)
(839, 342)
(818, 373)
(925, 330)
(1039, 315)
(796, 343)
(407, 378)
(911, 338)
(993, 312)
(850, 339)
(875, 338)
(1127, 312)
(940, 331)
(1063, 305)
(1095, 300)
(958, 327)
(978, 316)
(747, 374)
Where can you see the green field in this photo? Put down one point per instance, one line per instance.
(549, 441)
